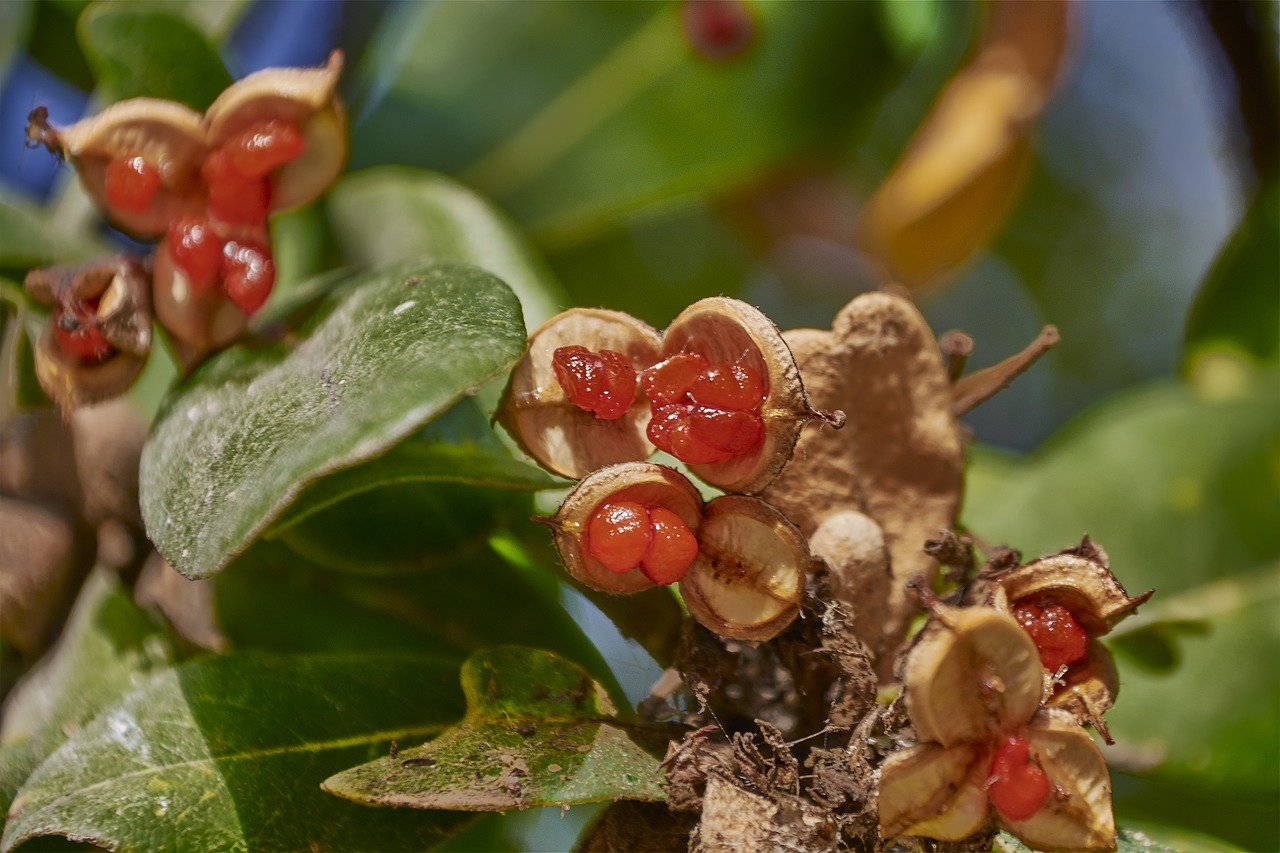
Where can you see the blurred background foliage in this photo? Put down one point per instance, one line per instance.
(1110, 168)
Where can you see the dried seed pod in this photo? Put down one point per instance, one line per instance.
(934, 791)
(639, 483)
(749, 575)
(852, 545)
(1077, 815)
(168, 136)
(974, 671)
(198, 319)
(538, 414)
(1079, 580)
(304, 97)
(727, 331)
(107, 299)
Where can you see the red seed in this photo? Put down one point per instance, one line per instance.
(671, 548)
(196, 250)
(602, 383)
(688, 448)
(131, 184)
(734, 433)
(735, 387)
(76, 334)
(1018, 788)
(669, 381)
(248, 274)
(263, 146)
(663, 420)
(618, 535)
(234, 198)
(717, 29)
(1058, 636)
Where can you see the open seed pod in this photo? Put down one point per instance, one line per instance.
(1077, 815)
(198, 319)
(306, 97)
(167, 135)
(1080, 580)
(537, 413)
(641, 483)
(108, 299)
(748, 578)
(725, 331)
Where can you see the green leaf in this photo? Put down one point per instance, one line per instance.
(15, 21)
(21, 324)
(226, 753)
(107, 645)
(30, 238)
(538, 732)
(148, 51)
(236, 443)
(1127, 841)
(391, 214)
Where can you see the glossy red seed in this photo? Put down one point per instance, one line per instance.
(263, 146)
(248, 274)
(196, 250)
(77, 336)
(734, 433)
(1018, 788)
(618, 535)
(672, 547)
(131, 184)
(717, 29)
(690, 449)
(603, 383)
(735, 387)
(234, 198)
(662, 421)
(669, 381)
(1058, 636)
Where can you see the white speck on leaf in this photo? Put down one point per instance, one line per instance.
(403, 307)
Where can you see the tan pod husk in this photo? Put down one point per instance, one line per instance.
(933, 791)
(749, 575)
(642, 482)
(1081, 582)
(1077, 815)
(563, 438)
(198, 320)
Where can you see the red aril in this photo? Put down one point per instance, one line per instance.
(669, 381)
(603, 383)
(672, 547)
(233, 197)
(688, 448)
(131, 184)
(735, 386)
(717, 29)
(248, 274)
(196, 250)
(618, 535)
(263, 146)
(1018, 788)
(77, 336)
(663, 420)
(734, 433)
(1058, 636)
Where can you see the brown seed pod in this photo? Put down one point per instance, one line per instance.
(727, 330)
(198, 320)
(640, 482)
(749, 575)
(563, 438)
(168, 135)
(934, 791)
(118, 289)
(1077, 814)
(1082, 584)
(306, 97)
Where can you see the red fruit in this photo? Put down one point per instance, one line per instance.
(1057, 635)
(734, 433)
(248, 274)
(662, 421)
(1017, 786)
(196, 250)
(691, 450)
(77, 336)
(618, 535)
(669, 381)
(263, 146)
(603, 383)
(233, 197)
(671, 548)
(131, 184)
(736, 387)
(717, 29)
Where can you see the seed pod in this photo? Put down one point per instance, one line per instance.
(109, 298)
(199, 319)
(1077, 815)
(305, 97)
(725, 331)
(637, 482)
(536, 412)
(749, 575)
(934, 791)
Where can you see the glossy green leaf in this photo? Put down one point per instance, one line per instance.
(624, 112)
(390, 214)
(227, 753)
(108, 645)
(149, 51)
(236, 443)
(538, 732)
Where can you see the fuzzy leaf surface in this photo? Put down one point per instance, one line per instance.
(538, 732)
(390, 350)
